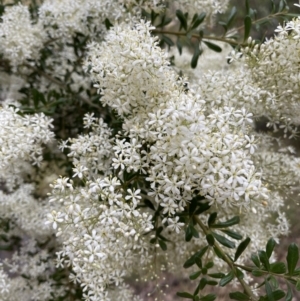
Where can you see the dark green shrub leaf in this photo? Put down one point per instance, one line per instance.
(209, 297)
(233, 221)
(298, 285)
(289, 295)
(195, 275)
(216, 275)
(224, 241)
(257, 273)
(264, 259)
(185, 295)
(247, 24)
(278, 294)
(212, 282)
(226, 279)
(270, 247)
(190, 262)
(232, 234)
(162, 244)
(213, 46)
(202, 283)
(188, 233)
(255, 259)
(198, 20)
(202, 208)
(212, 218)
(241, 248)
(182, 18)
(292, 258)
(239, 296)
(231, 17)
(269, 291)
(209, 265)
(197, 53)
(278, 268)
(210, 239)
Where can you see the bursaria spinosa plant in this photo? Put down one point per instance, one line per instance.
(124, 158)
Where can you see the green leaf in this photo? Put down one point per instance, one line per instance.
(202, 208)
(270, 247)
(190, 262)
(255, 259)
(292, 258)
(226, 279)
(278, 294)
(216, 275)
(149, 204)
(195, 275)
(198, 20)
(182, 18)
(188, 233)
(210, 239)
(239, 296)
(212, 218)
(241, 248)
(289, 295)
(213, 46)
(202, 283)
(197, 53)
(224, 241)
(179, 46)
(162, 244)
(209, 265)
(247, 24)
(298, 285)
(233, 221)
(269, 291)
(184, 295)
(247, 7)
(209, 297)
(232, 234)
(264, 259)
(218, 253)
(257, 272)
(278, 268)
(212, 282)
(167, 40)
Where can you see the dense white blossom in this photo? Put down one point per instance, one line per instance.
(20, 39)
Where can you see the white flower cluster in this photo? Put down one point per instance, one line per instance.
(91, 153)
(19, 38)
(65, 17)
(274, 67)
(21, 139)
(172, 139)
(101, 231)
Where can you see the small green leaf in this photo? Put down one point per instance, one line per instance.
(255, 259)
(278, 268)
(212, 282)
(202, 283)
(213, 46)
(247, 7)
(247, 24)
(269, 291)
(209, 297)
(226, 279)
(198, 20)
(289, 295)
(278, 294)
(188, 233)
(209, 265)
(212, 218)
(197, 53)
(292, 258)
(257, 273)
(264, 259)
(195, 275)
(216, 275)
(241, 248)
(232, 234)
(162, 244)
(233, 221)
(239, 296)
(270, 247)
(298, 285)
(210, 239)
(190, 262)
(185, 295)
(202, 208)
(218, 253)
(182, 18)
(224, 241)
(179, 46)
(167, 40)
